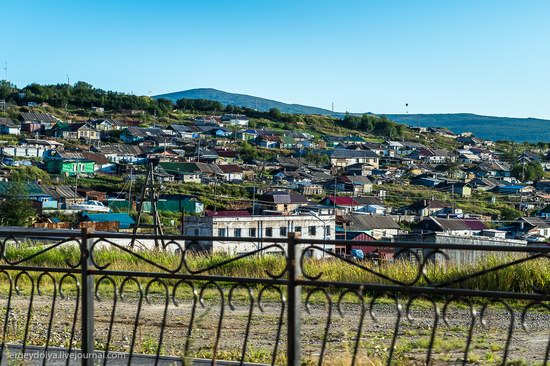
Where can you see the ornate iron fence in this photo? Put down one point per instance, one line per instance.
(92, 306)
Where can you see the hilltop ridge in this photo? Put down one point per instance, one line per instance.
(487, 127)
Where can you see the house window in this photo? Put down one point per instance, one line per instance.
(196, 232)
(221, 232)
(282, 231)
(237, 233)
(252, 232)
(269, 232)
(298, 229)
(327, 230)
(312, 230)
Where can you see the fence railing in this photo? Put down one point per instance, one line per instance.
(290, 301)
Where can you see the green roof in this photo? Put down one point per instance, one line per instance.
(125, 221)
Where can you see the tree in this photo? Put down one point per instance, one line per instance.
(30, 173)
(531, 171)
(275, 114)
(16, 209)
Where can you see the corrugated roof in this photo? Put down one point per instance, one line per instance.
(125, 221)
(369, 222)
(234, 213)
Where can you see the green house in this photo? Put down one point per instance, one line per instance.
(70, 167)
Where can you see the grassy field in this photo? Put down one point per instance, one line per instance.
(523, 277)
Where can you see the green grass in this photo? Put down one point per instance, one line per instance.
(518, 278)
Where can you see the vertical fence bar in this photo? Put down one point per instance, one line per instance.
(294, 293)
(87, 300)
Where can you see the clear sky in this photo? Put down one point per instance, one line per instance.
(441, 56)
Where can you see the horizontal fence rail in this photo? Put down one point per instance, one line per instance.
(80, 297)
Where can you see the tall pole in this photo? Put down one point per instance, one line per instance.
(130, 191)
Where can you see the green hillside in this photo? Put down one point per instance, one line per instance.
(487, 127)
(243, 100)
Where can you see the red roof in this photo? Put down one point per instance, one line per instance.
(229, 213)
(343, 201)
(474, 224)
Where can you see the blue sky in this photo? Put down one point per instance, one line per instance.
(481, 56)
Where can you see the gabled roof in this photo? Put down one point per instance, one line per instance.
(455, 224)
(369, 222)
(60, 191)
(428, 204)
(350, 154)
(354, 179)
(8, 122)
(368, 200)
(125, 221)
(342, 201)
(96, 157)
(230, 168)
(535, 222)
(121, 149)
(282, 197)
(38, 117)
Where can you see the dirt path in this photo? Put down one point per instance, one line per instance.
(526, 348)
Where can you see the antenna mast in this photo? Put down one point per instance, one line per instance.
(148, 191)
(6, 70)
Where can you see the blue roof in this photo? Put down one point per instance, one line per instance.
(125, 221)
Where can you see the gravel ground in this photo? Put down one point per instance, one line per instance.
(488, 345)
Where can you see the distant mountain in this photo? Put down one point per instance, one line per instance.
(487, 127)
(243, 100)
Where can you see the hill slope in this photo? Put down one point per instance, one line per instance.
(487, 127)
(243, 100)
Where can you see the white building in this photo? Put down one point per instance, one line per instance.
(240, 224)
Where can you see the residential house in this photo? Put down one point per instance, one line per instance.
(8, 127)
(408, 147)
(184, 172)
(235, 119)
(514, 189)
(526, 227)
(457, 188)
(430, 207)
(268, 141)
(176, 203)
(121, 220)
(231, 172)
(494, 169)
(76, 131)
(342, 204)
(544, 213)
(335, 140)
(184, 131)
(123, 153)
(32, 122)
(468, 158)
(432, 156)
(370, 204)
(64, 195)
(226, 156)
(379, 227)
(279, 203)
(68, 163)
(455, 226)
(357, 184)
(342, 158)
(139, 134)
(106, 124)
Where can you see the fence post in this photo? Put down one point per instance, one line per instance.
(87, 300)
(294, 294)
